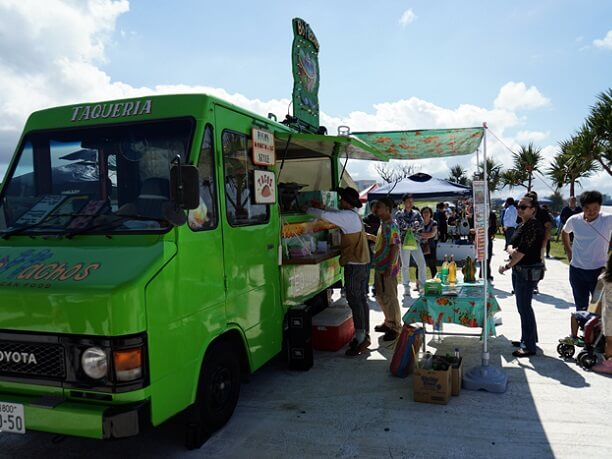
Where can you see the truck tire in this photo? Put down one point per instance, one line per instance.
(217, 396)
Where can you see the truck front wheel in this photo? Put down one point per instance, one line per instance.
(218, 391)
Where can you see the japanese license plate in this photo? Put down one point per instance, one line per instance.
(12, 418)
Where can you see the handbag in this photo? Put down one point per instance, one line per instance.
(410, 242)
(534, 272)
(426, 248)
(406, 348)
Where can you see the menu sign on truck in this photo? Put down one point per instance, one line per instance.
(263, 147)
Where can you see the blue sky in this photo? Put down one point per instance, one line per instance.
(531, 69)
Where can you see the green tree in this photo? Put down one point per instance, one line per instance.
(526, 162)
(599, 124)
(494, 173)
(556, 201)
(574, 162)
(458, 175)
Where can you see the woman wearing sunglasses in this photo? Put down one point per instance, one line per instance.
(526, 264)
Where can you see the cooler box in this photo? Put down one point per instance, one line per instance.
(332, 328)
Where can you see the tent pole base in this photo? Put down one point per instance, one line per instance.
(487, 378)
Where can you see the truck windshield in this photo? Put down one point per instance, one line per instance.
(95, 179)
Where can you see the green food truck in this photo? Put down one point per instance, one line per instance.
(150, 252)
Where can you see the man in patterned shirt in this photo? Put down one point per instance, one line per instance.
(386, 266)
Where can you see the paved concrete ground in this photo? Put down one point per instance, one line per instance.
(348, 408)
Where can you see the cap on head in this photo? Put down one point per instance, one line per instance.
(350, 195)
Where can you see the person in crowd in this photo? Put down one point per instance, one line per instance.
(605, 366)
(440, 218)
(410, 219)
(543, 217)
(429, 237)
(525, 249)
(551, 221)
(509, 220)
(386, 266)
(567, 212)
(371, 223)
(354, 257)
(588, 251)
(451, 219)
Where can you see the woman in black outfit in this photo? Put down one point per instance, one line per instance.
(525, 251)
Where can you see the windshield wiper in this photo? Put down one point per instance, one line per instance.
(112, 221)
(16, 230)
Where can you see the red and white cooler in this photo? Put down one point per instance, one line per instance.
(332, 328)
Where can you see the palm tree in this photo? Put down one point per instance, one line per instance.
(526, 163)
(599, 123)
(573, 162)
(494, 173)
(458, 175)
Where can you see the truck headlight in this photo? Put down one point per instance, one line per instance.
(94, 362)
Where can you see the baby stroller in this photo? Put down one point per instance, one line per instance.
(590, 324)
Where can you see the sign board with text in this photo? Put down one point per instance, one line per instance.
(263, 147)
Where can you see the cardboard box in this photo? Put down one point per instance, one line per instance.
(431, 386)
(456, 377)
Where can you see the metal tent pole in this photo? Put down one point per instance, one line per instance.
(485, 376)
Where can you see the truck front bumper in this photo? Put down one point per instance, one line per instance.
(58, 415)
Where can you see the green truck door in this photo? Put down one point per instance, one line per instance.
(251, 237)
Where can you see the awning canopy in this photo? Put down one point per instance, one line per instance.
(300, 145)
(421, 186)
(421, 144)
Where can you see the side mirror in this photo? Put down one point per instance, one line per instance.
(185, 186)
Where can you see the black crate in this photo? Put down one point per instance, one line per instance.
(299, 338)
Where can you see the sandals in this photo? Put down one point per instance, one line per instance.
(522, 353)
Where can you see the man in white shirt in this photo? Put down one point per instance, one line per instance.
(355, 258)
(588, 252)
(509, 220)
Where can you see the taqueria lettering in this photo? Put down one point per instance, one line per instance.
(111, 110)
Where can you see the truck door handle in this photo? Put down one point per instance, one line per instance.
(270, 246)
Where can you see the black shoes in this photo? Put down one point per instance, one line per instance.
(382, 328)
(356, 348)
(390, 335)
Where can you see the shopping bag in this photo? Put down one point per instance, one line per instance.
(410, 242)
(406, 348)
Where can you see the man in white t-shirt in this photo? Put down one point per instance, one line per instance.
(588, 253)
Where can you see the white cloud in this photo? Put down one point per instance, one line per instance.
(579, 39)
(408, 17)
(515, 96)
(605, 42)
(50, 54)
(531, 136)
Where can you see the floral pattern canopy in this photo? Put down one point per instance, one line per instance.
(421, 144)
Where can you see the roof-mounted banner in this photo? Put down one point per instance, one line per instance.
(305, 61)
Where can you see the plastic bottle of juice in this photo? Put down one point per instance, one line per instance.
(444, 270)
(452, 270)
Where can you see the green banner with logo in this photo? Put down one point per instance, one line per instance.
(305, 62)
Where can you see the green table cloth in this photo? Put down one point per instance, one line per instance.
(464, 309)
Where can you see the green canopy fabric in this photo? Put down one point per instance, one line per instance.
(421, 144)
